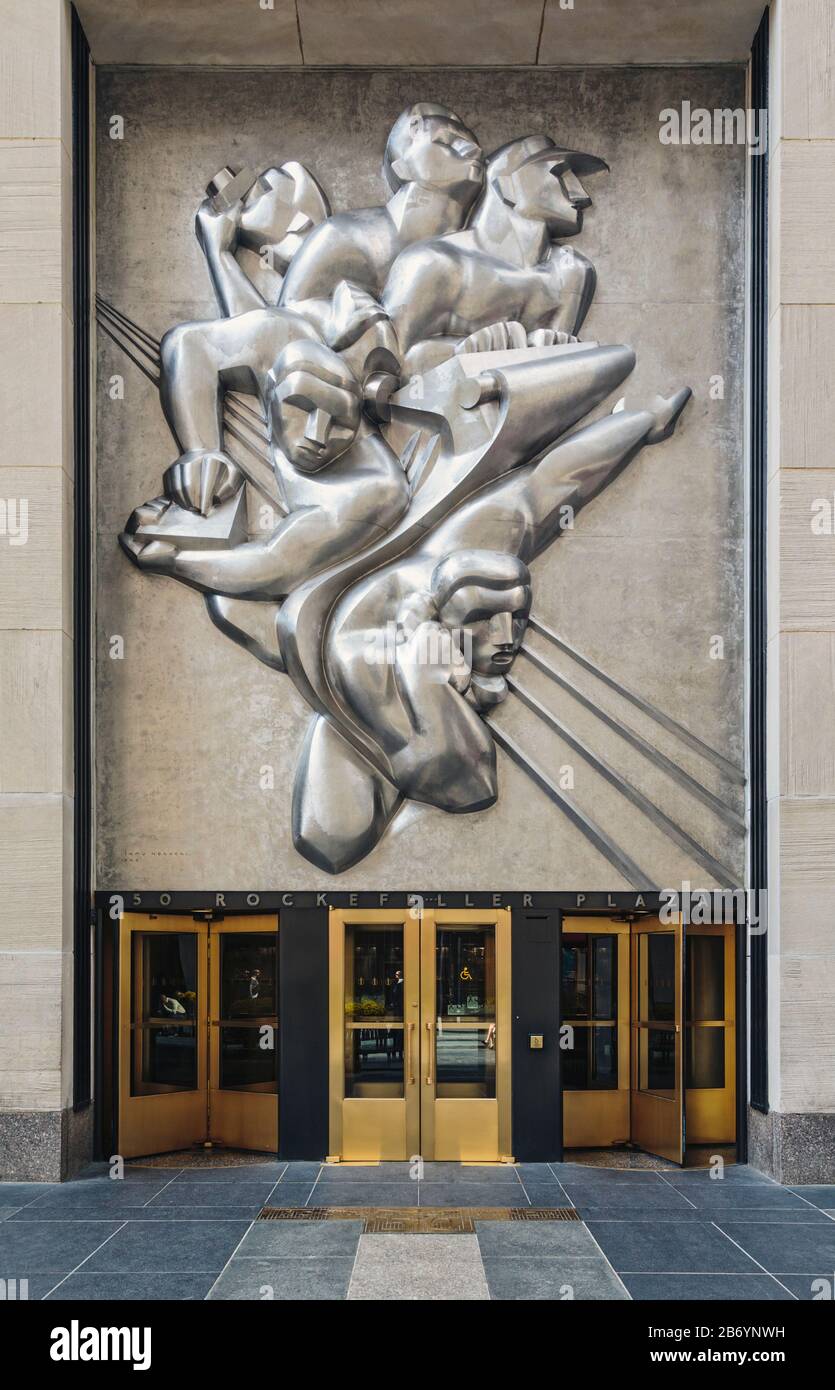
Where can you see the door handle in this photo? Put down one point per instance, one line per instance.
(410, 1054)
(429, 1054)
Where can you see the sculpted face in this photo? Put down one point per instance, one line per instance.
(549, 191)
(315, 406)
(430, 146)
(495, 620)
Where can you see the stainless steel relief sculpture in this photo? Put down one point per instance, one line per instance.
(410, 405)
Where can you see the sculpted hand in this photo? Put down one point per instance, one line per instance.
(548, 337)
(159, 557)
(217, 232)
(496, 337)
(199, 478)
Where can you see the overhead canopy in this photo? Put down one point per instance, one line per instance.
(457, 33)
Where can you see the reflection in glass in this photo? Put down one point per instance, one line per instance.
(658, 955)
(465, 964)
(705, 1058)
(248, 1052)
(605, 977)
(705, 978)
(465, 1033)
(374, 1062)
(248, 1059)
(657, 1060)
(164, 992)
(591, 1063)
(465, 1062)
(374, 1034)
(575, 976)
(247, 975)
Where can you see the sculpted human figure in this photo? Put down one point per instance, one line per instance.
(502, 273)
(434, 167)
(342, 484)
(451, 762)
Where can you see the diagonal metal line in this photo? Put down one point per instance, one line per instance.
(102, 317)
(672, 725)
(102, 303)
(135, 360)
(673, 770)
(258, 431)
(242, 404)
(723, 875)
(592, 831)
(266, 492)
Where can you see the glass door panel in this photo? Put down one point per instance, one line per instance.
(465, 1091)
(657, 1053)
(594, 1017)
(162, 1037)
(243, 1028)
(710, 1044)
(374, 992)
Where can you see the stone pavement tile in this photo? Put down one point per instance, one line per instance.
(545, 1239)
(214, 1194)
(39, 1247)
(547, 1194)
(567, 1278)
(669, 1247)
(100, 1173)
(282, 1280)
(167, 1246)
(302, 1171)
(707, 1288)
(770, 1216)
(138, 1214)
(429, 1268)
(300, 1240)
(241, 1173)
(618, 1177)
(290, 1194)
(110, 1199)
(810, 1288)
(820, 1195)
(145, 1287)
(744, 1197)
(472, 1194)
(647, 1196)
(17, 1194)
(788, 1248)
(536, 1173)
(469, 1173)
(364, 1194)
(371, 1172)
(731, 1173)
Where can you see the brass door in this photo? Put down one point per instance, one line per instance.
(197, 1034)
(710, 1034)
(243, 1034)
(657, 1091)
(594, 1023)
(420, 1034)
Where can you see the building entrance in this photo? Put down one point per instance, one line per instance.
(198, 1034)
(420, 1034)
(648, 1034)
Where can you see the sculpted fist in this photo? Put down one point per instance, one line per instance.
(200, 478)
(548, 337)
(496, 337)
(157, 556)
(218, 231)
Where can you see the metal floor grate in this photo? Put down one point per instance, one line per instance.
(418, 1220)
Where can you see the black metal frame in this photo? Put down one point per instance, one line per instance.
(82, 572)
(758, 425)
